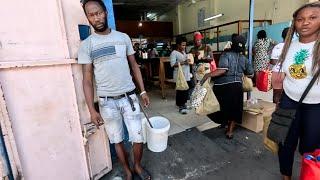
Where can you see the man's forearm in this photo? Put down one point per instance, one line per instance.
(88, 94)
(218, 72)
(138, 78)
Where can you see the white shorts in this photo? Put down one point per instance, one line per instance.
(115, 112)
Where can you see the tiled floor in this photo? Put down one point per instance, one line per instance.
(166, 108)
(179, 123)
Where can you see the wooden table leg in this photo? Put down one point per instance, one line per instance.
(162, 76)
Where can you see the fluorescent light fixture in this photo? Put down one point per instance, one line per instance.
(150, 15)
(213, 17)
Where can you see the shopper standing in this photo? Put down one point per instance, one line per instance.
(298, 63)
(202, 57)
(107, 54)
(233, 64)
(262, 50)
(275, 55)
(177, 57)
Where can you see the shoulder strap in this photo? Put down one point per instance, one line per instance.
(315, 77)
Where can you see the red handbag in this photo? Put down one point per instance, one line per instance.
(310, 168)
(263, 80)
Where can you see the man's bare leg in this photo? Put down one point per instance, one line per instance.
(123, 158)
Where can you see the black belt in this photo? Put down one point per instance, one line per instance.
(127, 94)
(119, 96)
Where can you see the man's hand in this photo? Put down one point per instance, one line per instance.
(196, 54)
(145, 99)
(186, 62)
(96, 119)
(204, 79)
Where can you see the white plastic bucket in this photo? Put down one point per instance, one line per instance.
(157, 137)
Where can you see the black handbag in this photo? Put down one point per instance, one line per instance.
(282, 118)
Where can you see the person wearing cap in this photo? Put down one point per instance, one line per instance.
(227, 79)
(227, 47)
(202, 57)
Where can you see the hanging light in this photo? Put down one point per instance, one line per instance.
(140, 22)
(213, 17)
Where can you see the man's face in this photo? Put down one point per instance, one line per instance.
(197, 42)
(96, 16)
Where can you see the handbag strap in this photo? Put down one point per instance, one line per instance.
(313, 80)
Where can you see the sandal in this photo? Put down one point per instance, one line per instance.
(144, 175)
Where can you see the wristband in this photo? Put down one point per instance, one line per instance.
(142, 93)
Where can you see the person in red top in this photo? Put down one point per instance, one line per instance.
(202, 57)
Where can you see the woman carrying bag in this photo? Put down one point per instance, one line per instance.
(298, 64)
(228, 84)
(181, 74)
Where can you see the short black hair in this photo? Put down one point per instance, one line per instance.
(180, 39)
(100, 2)
(285, 32)
(262, 34)
(238, 44)
(233, 36)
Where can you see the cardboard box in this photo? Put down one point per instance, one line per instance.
(268, 107)
(254, 120)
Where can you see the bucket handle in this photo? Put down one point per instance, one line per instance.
(146, 115)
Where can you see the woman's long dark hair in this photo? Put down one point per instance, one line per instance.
(292, 30)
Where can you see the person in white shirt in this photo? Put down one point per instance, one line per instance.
(177, 57)
(276, 51)
(298, 63)
(275, 55)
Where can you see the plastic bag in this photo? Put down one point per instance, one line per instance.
(181, 83)
(198, 95)
(213, 66)
(310, 168)
(263, 80)
(247, 84)
(210, 103)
